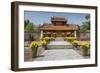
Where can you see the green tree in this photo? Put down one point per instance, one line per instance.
(29, 26)
(26, 22)
(86, 24)
(37, 28)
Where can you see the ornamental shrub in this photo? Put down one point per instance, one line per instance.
(85, 44)
(44, 44)
(70, 39)
(75, 43)
(34, 44)
(47, 39)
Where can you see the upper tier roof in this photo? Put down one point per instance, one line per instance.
(58, 19)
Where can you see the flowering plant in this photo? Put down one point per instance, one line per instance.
(54, 34)
(43, 42)
(75, 42)
(46, 38)
(85, 47)
(34, 44)
(85, 44)
(51, 38)
(70, 38)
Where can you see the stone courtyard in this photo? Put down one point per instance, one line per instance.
(58, 50)
(59, 54)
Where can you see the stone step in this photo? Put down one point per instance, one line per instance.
(59, 39)
(60, 47)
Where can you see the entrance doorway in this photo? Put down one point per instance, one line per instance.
(59, 34)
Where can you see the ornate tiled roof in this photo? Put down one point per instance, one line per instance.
(52, 27)
(58, 26)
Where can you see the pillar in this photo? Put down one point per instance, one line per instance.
(41, 36)
(75, 34)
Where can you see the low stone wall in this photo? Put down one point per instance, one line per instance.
(27, 54)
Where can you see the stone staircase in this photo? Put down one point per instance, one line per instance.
(59, 43)
(59, 39)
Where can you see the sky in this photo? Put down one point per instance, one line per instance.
(40, 17)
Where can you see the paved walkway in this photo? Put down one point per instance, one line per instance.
(59, 54)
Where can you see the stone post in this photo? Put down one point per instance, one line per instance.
(75, 34)
(41, 34)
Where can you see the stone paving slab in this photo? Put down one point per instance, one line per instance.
(60, 54)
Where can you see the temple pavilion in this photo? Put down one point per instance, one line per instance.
(58, 28)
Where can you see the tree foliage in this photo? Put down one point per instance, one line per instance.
(86, 24)
(30, 27)
(26, 22)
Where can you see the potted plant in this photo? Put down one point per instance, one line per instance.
(75, 43)
(47, 39)
(34, 47)
(85, 48)
(44, 44)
